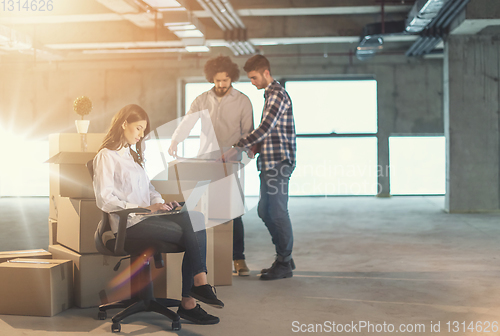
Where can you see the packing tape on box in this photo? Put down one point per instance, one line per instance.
(55, 205)
(22, 252)
(29, 262)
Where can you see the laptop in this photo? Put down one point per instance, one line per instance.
(186, 206)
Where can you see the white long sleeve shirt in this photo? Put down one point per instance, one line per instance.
(120, 183)
(223, 122)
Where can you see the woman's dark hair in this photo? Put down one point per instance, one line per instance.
(221, 64)
(115, 139)
(257, 63)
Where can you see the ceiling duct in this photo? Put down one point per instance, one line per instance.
(422, 13)
(372, 39)
(435, 30)
(235, 32)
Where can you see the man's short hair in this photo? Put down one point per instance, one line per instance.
(257, 63)
(221, 64)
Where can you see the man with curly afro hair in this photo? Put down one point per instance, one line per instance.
(226, 115)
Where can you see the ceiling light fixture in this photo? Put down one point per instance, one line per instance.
(197, 48)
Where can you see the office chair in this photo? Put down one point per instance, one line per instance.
(143, 300)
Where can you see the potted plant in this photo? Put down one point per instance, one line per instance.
(82, 106)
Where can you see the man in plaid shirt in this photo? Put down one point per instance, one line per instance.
(275, 141)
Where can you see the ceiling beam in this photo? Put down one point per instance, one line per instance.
(346, 10)
(96, 32)
(478, 15)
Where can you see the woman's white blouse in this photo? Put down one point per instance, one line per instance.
(121, 183)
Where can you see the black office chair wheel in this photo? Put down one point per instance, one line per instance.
(116, 327)
(176, 325)
(102, 315)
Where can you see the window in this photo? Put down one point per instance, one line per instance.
(336, 124)
(339, 106)
(24, 173)
(418, 165)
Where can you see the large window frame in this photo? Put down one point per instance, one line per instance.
(283, 80)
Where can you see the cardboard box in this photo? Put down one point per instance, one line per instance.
(219, 260)
(95, 281)
(226, 190)
(36, 287)
(179, 191)
(31, 254)
(223, 254)
(93, 275)
(174, 269)
(75, 142)
(71, 178)
(77, 223)
(52, 231)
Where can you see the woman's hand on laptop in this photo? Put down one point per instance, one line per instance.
(172, 205)
(157, 207)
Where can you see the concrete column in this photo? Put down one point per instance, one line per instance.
(471, 113)
(383, 180)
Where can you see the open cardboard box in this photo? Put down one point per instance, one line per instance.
(68, 142)
(226, 189)
(69, 177)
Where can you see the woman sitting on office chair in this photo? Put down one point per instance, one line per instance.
(121, 182)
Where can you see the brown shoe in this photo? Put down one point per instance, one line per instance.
(240, 267)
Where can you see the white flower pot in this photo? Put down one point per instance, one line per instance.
(82, 126)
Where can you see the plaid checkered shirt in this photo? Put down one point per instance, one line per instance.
(276, 132)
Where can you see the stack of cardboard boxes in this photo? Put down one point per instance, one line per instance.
(73, 219)
(44, 283)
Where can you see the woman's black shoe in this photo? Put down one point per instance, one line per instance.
(197, 315)
(205, 294)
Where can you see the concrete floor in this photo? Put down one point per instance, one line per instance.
(399, 260)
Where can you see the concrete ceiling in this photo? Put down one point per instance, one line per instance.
(82, 28)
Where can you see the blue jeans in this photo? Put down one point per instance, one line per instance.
(238, 239)
(273, 207)
(178, 229)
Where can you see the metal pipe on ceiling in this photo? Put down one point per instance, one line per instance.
(225, 13)
(444, 9)
(447, 13)
(243, 47)
(231, 10)
(414, 46)
(218, 14)
(430, 47)
(420, 46)
(237, 47)
(457, 11)
(250, 47)
(427, 41)
(382, 8)
(232, 49)
(212, 15)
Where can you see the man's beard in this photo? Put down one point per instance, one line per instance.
(263, 83)
(220, 92)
